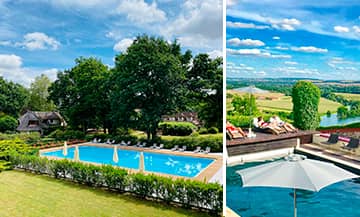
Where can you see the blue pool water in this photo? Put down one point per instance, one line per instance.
(162, 163)
(340, 199)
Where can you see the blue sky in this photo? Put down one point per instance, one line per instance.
(45, 36)
(288, 38)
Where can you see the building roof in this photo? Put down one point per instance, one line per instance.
(38, 116)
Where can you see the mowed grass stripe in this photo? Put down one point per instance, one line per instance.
(25, 194)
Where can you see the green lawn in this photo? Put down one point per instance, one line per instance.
(25, 194)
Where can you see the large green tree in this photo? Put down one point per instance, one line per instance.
(81, 94)
(306, 98)
(245, 105)
(13, 98)
(38, 99)
(147, 83)
(204, 81)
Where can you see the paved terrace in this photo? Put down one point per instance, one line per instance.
(266, 141)
(208, 174)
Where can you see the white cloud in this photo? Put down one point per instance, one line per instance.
(281, 48)
(11, 68)
(245, 25)
(293, 70)
(38, 41)
(10, 61)
(214, 54)
(341, 29)
(309, 49)
(245, 42)
(290, 63)
(285, 24)
(276, 38)
(257, 52)
(5, 43)
(356, 29)
(231, 2)
(260, 73)
(122, 45)
(140, 12)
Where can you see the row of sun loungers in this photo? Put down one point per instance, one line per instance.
(154, 146)
(334, 138)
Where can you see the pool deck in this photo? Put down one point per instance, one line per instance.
(209, 174)
(231, 213)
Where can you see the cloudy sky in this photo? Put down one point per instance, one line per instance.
(288, 38)
(45, 36)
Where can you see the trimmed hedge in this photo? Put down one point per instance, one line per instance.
(8, 123)
(187, 193)
(214, 141)
(177, 128)
(66, 134)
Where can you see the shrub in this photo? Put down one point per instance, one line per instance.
(203, 130)
(306, 99)
(8, 123)
(28, 138)
(191, 142)
(188, 193)
(9, 147)
(66, 134)
(177, 128)
(213, 130)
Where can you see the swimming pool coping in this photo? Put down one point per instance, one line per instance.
(205, 175)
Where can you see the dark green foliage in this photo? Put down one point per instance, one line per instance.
(188, 193)
(60, 134)
(328, 113)
(7, 123)
(204, 86)
(306, 98)
(147, 83)
(342, 112)
(213, 130)
(13, 97)
(177, 128)
(81, 94)
(213, 141)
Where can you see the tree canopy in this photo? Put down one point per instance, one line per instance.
(147, 83)
(38, 95)
(13, 98)
(306, 98)
(81, 93)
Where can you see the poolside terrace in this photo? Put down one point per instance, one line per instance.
(209, 174)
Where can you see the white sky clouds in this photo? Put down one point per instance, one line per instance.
(38, 41)
(309, 49)
(122, 45)
(241, 25)
(257, 53)
(245, 42)
(285, 24)
(341, 29)
(139, 11)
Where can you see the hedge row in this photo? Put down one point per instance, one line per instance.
(213, 141)
(177, 128)
(187, 193)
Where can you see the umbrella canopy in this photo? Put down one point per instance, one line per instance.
(76, 154)
(65, 151)
(115, 155)
(141, 162)
(296, 172)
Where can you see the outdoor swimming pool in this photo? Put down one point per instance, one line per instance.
(161, 163)
(340, 199)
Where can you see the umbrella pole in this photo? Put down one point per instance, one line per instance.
(295, 211)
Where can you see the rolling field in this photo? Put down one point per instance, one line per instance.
(280, 102)
(350, 96)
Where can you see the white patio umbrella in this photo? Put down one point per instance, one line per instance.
(65, 151)
(76, 154)
(141, 162)
(296, 172)
(115, 155)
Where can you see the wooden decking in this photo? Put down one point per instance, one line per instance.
(204, 175)
(266, 142)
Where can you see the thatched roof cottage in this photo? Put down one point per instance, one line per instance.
(33, 121)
